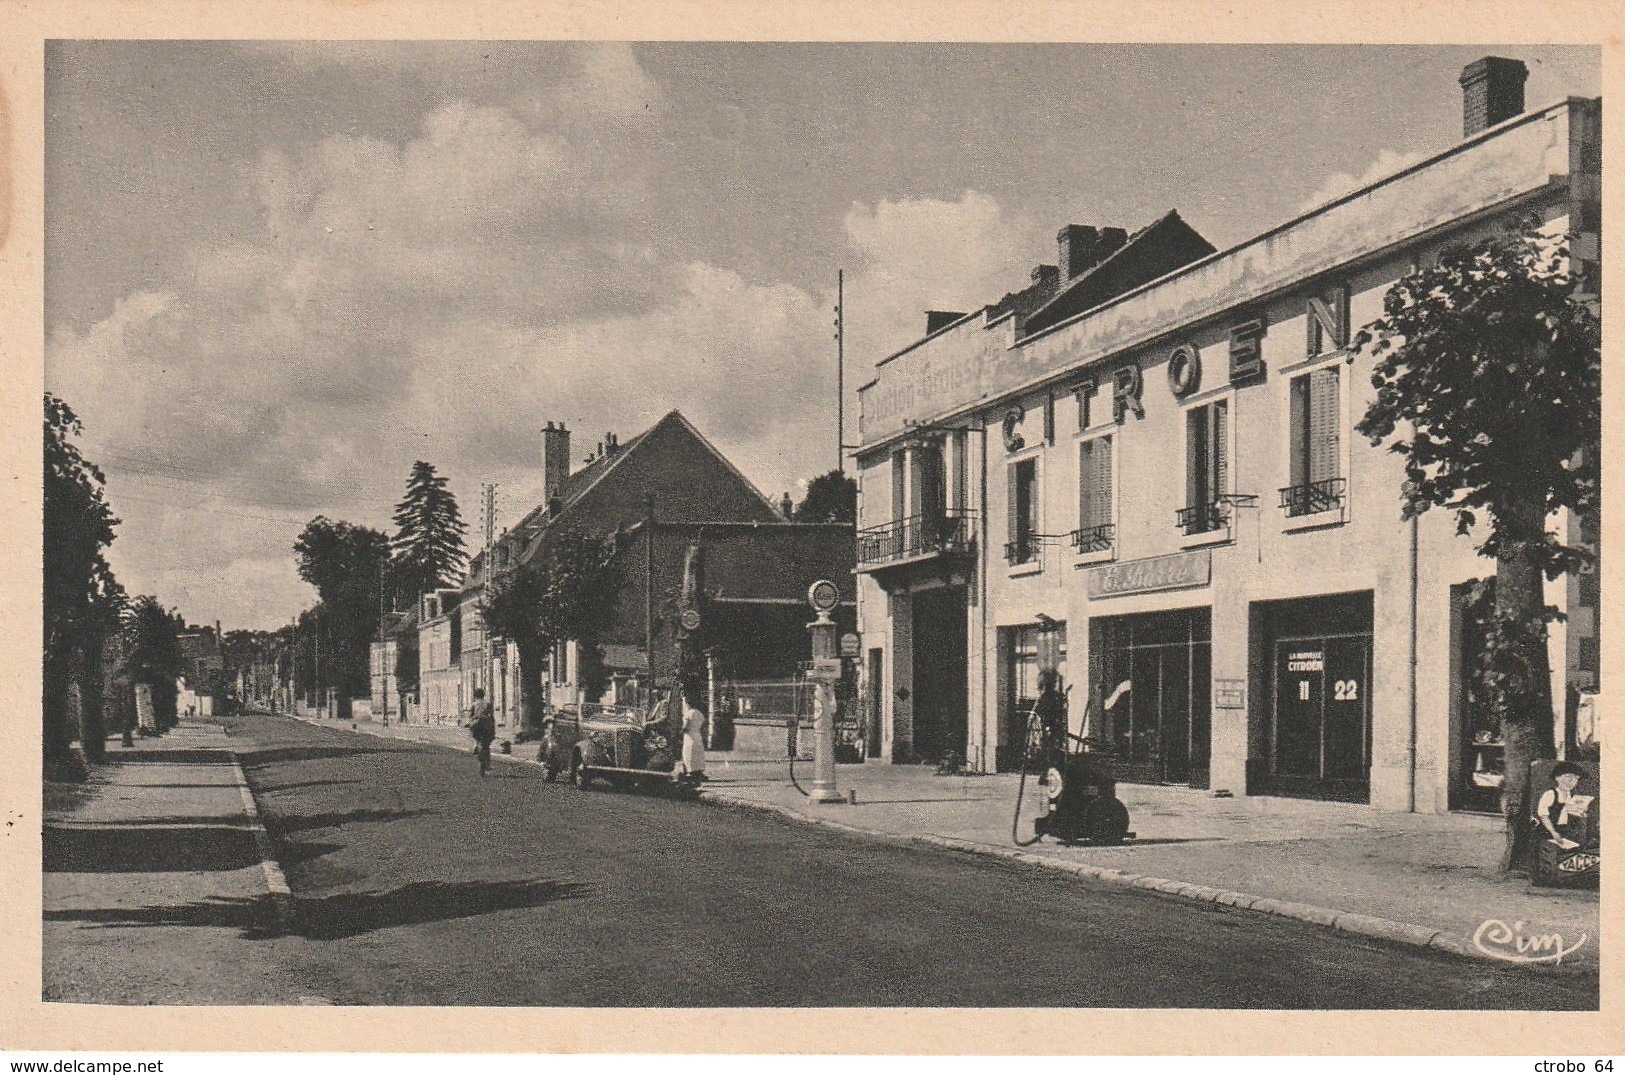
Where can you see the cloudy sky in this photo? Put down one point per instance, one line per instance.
(278, 273)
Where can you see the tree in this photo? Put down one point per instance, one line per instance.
(154, 653)
(82, 599)
(350, 567)
(831, 498)
(567, 593)
(1488, 384)
(429, 542)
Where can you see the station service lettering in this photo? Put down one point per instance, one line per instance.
(1153, 573)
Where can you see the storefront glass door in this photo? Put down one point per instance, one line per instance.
(1157, 667)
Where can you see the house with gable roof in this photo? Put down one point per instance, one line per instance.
(656, 495)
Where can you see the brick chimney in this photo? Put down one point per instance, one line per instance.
(936, 320)
(1083, 247)
(555, 459)
(1491, 93)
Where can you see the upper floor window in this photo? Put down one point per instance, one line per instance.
(1207, 467)
(1328, 321)
(1315, 431)
(1095, 524)
(1023, 516)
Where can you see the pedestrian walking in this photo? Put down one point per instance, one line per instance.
(482, 725)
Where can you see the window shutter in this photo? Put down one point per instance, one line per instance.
(1014, 514)
(1218, 451)
(897, 477)
(1324, 414)
(1103, 481)
(1030, 473)
(1298, 435)
(1095, 483)
(1086, 484)
(1195, 456)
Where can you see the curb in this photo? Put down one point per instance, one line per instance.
(1362, 925)
(275, 882)
(1351, 922)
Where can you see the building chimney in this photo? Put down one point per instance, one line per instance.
(1491, 93)
(936, 320)
(1083, 247)
(1077, 250)
(555, 459)
(1110, 240)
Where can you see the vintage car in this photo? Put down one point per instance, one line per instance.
(624, 746)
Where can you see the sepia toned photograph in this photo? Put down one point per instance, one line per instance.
(756, 525)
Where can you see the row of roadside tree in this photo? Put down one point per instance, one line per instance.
(100, 644)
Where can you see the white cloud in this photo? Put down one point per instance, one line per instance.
(926, 254)
(1387, 163)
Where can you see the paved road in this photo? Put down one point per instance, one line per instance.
(417, 882)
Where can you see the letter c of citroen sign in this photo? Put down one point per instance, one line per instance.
(1013, 441)
(1184, 371)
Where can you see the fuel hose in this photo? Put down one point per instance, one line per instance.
(1021, 786)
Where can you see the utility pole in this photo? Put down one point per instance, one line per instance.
(487, 649)
(840, 370)
(383, 648)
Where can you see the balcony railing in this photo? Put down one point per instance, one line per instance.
(1312, 498)
(917, 536)
(1204, 518)
(1017, 553)
(1093, 538)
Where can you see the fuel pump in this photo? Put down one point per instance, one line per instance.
(1080, 790)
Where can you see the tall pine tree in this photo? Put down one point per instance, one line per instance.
(429, 541)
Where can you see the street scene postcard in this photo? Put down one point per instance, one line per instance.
(682, 526)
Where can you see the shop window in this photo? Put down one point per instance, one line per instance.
(1022, 546)
(1315, 430)
(1095, 524)
(1028, 649)
(1207, 469)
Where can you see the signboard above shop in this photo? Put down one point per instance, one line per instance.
(1178, 571)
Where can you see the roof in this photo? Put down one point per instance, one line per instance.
(1159, 248)
(525, 539)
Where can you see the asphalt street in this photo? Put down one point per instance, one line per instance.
(416, 881)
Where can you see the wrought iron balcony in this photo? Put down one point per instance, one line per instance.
(917, 537)
(1204, 518)
(1312, 498)
(1093, 538)
(1022, 552)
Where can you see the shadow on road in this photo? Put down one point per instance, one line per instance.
(159, 849)
(272, 786)
(280, 825)
(343, 914)
(279, 755)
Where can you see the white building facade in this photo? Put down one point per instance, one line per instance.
(1163, 495)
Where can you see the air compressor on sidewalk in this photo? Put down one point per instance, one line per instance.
(1078, 782)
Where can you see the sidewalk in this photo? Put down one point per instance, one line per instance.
(1421, 879)
(162, 830)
